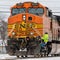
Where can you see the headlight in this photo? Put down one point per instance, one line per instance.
(13, 33)
(24, 17)
(31, 33)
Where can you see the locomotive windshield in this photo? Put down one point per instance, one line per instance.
(18, 10)
(36, 11)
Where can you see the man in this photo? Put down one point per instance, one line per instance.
(48, 44)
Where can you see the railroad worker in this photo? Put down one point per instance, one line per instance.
(47, 44)
(45, 37)
(43, 44)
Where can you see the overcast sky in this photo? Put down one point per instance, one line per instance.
(5, 5)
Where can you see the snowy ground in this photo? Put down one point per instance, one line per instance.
(7, 57)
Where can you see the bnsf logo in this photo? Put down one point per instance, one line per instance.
(27, 25)
(31, 25)
(24, 26)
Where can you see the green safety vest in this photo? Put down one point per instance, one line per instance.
(45, 38)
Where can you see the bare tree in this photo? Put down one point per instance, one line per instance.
(3, 31)
(3, 27)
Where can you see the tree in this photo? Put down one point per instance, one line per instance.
(3, 27)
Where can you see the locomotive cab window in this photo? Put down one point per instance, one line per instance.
(18, 10)
(36, 11)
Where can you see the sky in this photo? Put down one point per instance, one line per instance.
(5, 5)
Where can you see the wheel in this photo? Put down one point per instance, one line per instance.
(22, 56)
(17, 56)
(26, 56)
(41, 55)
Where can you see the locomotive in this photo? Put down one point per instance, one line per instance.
(27, 23)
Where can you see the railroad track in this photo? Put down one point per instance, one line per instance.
(7, 57)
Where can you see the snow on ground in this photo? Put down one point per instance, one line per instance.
(7, 57)
(53, 58)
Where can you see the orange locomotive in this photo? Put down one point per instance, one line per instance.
(26, 16)
(27, 19)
